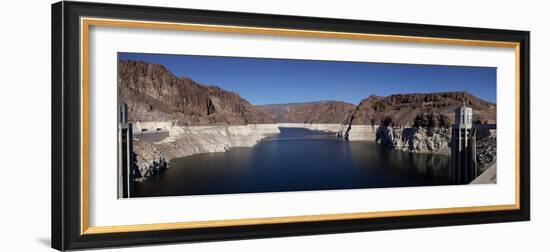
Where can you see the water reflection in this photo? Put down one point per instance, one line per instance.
(297, 160)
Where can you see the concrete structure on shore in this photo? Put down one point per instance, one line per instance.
(148, 127)
(464, 167)
(463, 146)
(125, 185)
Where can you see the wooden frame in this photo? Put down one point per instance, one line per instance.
(70, 26)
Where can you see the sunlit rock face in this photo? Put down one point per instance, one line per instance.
(416, 139)
(154, 94)
(149, 160)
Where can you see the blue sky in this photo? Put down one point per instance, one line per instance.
(268, 81)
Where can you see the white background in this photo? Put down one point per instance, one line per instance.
(25, 98)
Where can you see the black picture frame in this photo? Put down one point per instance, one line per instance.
(66, 126)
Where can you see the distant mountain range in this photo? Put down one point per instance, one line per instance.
(154, 94)
(310, 112)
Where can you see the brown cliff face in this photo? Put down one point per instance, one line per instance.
(403, 109)
(154, 94)
(311, 112)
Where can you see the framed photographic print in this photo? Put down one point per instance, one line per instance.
(180, 125)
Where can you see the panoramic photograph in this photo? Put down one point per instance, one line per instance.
(203, 125)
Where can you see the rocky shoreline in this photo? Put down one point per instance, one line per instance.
(148, 160)
(420, 139)
(415, 139)
(427, 133)
(153, 157)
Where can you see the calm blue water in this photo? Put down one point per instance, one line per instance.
(297, 160)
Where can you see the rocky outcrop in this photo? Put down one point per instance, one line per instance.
(154, 94)
(149, 160)
(416, 139)
(322, 112)
(431, 120)
(404, 108)
(486, 151)
(435, 139)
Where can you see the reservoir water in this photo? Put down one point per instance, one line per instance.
(297, 160)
